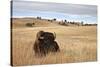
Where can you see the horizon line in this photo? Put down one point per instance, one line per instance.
(52, 19)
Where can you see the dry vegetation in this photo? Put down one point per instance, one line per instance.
(77, 44)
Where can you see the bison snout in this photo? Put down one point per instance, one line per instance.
(41, 38)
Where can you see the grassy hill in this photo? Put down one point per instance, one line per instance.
(21, 22)
(77, 43)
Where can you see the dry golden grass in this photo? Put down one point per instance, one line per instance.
(77, 44)
(21, 23)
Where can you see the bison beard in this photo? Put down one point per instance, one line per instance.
(45, 43)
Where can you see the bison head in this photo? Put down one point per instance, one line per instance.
(41, 35)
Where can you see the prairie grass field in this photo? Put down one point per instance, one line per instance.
(77, 43)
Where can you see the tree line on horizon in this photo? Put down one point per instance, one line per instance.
(67, 23)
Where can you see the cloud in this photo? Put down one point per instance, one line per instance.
(55, 7)
(87, 13)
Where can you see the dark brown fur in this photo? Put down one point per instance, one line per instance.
(45, 43)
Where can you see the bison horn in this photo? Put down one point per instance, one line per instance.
(39, 34)
(54, 35)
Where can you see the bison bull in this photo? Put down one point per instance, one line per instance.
(45, 43)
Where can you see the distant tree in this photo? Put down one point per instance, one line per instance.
(70, 22)
(48, 20)
(54, 19)
(65, 21)
(39, 18)
(86, 24)
(33, 23)
(95, 24)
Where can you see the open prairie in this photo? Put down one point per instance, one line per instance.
(77, 43)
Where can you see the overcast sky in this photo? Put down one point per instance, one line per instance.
(61, 11)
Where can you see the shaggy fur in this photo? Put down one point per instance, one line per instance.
(45, 43)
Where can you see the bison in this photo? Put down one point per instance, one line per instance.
(45, 43)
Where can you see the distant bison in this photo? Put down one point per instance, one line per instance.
(45, 43)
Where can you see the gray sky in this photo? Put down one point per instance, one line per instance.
(41, 8)
(58, 7)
